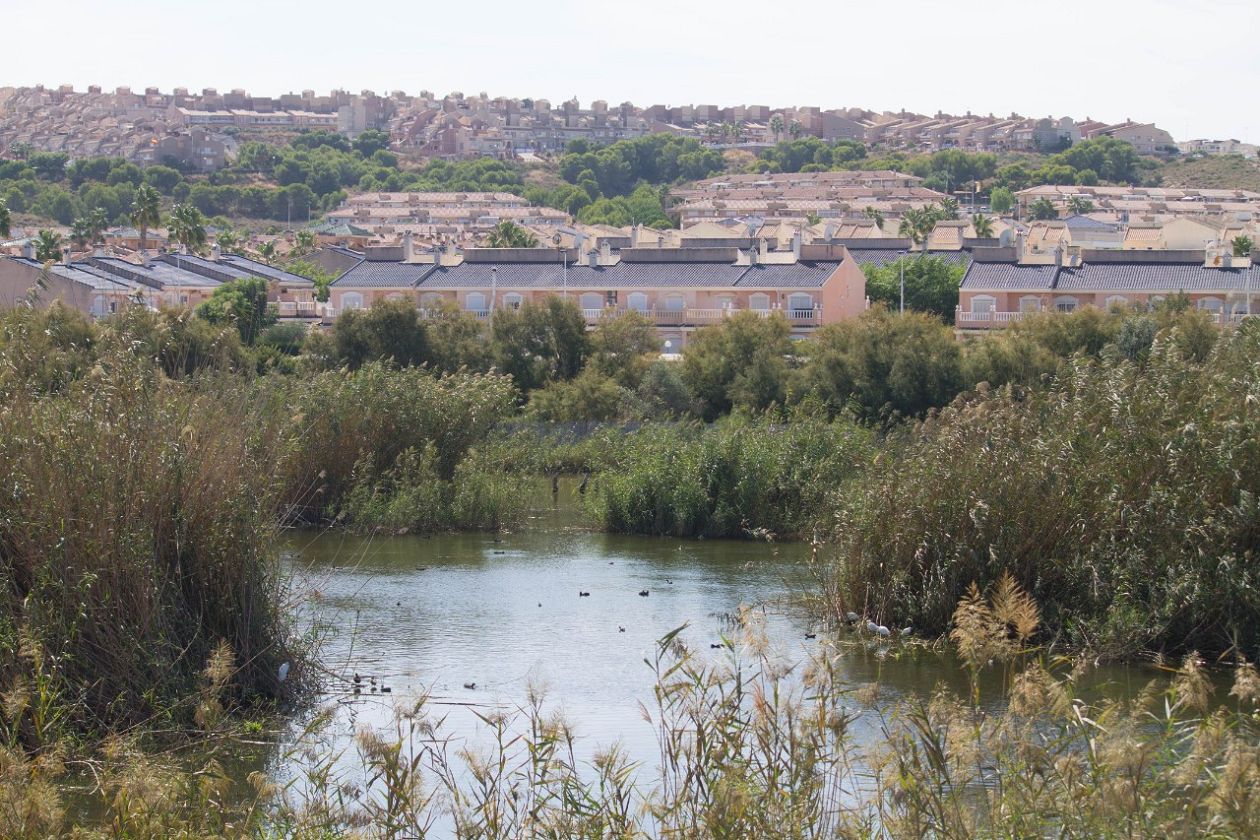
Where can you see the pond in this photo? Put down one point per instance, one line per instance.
(479, 622)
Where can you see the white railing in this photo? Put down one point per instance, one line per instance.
(991, 317)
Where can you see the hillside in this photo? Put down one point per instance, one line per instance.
(1217, 172)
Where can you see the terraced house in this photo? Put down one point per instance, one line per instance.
(103, 285)
(1001, 287)
(680, 289)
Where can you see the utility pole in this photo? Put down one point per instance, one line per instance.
(902, 263)
(494, 286)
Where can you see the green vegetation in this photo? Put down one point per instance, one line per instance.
(508, 234)
(243, 304)
(1122, 494)
(732, 479)
(931, 284)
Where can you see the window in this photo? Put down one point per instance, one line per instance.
(475, 302)
(352, 300)
(1116, 300)
(637, 301)
(98, 306)
(759, 301)
(394, 296)
(1065, 303)
(610, 298)
(512, 300)
(675, 303)
(801, 304)
(1210, 304)
(983, 304)
(725, 302)
(1030, 303)
(592, 300)
(430, 300)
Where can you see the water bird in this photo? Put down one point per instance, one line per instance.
(670, 582)
(356, 690)
(871, 627)
(357, 678)
(470, 685)
(620, 629)
(811, 635)
(422, 568)
(851, 617)
(881, 630)
(583, 594)
(714, 645)
(386, 689)
(643, 593)
(282, 673)
(906, 631)
(500, 552)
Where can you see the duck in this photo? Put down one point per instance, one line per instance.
(811, 635)
(357, 690)
(714, 645)
(583, 594)
(620, 629)
(357, 678)
(470, 685)
(385, 689)
(643, 593)
(851, 617)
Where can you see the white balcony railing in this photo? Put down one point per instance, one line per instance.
(989, 318)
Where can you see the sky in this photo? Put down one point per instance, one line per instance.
(1190, 67)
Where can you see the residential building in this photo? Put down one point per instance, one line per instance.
(1002, 286)
(680, 289)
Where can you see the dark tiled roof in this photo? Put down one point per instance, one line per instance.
(876, 256)
(387, 275)
(801, 275)
(81, 273)
(261, 269)
(1155, 277)
(1008, 276)
(157, 272)
(206, 268)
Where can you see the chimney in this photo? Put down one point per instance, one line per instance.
(605, 252)
(796, 244)
(28, 250)
(65, 256)
(215, 252)
(634, 235)
(1058, 255)
(1019, 245)
(752, 256)
(406, 246)
(763, 247)
(592, 258)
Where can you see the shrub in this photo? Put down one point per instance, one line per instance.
(1122, 496)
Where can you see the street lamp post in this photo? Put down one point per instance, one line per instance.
(564, 256)
(494, 286)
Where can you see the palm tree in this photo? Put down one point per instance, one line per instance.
(97, 224)
(1078, 204)
(187, 226)
(6, 219)
(982, 225)
(795, 129)
(875, 216)
(305, 241)
(1041, 210)
(508, 234)
(1243, 246)
(227, 239)
(912, 226)
(81, 232)
(949, 207)
(267, 251)
(146, 211)
(48, 246)
(776, 126)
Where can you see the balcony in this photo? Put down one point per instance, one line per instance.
(298, 309)
(987, 319)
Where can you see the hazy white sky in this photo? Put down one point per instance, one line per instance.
(1191, 67)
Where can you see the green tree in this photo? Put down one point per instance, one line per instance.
(982, 225)
(931, 284)
(6, 219)
(1243, 246)
(187, 226)
(539, 342)
(97, 224)
(48, 246)
(1079, 204)
(1001, 200)
(590, 395)
(80, 232)
(795, 129)
(391, 331)
(508, 234)
(875, 216)
(228, 240)
(883, 365)
(146, 211)
(622, 346)
(1042, 210)
(741, 362)
(242, 304)
(267, 251)
(162, 178)
(776, 126)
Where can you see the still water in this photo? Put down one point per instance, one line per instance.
(479, 621)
